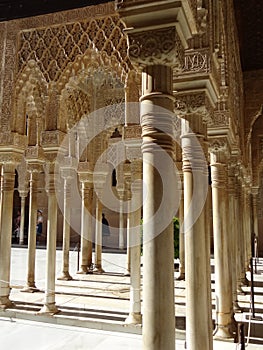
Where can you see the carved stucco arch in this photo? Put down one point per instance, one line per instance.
(254, 167)
(258, 177)
(254, 119)
(31, 91)
(76, 91)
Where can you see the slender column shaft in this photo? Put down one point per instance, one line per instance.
(7, 193)
(66, 231)
(233, 247)
(49, 300)
(135, 316)
(121, 226)
(248, 213)
(98, 238)
(255, 222)
(181, 240)
(208, 265)
(241, 255)
(198, 330)
(223, 281)
(158, 246)
(22, 222)
(86, 227)
(245, 263)
(207, 211)
(128, 255)
(32, 232)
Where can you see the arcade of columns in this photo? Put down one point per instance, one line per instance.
(176, 59)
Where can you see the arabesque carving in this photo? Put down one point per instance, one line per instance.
(153, 47)
(54, 48)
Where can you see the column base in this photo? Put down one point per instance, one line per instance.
(6, 303)
(98, 269)
(223, 332)
(245, 282)
(65, 277)
(49, 309)
(28, 289)
(236, 307)
(84, 270)
(134, 318)
(181, 277)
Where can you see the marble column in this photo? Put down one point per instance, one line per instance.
(255, 220)
(7, 194)
(232, 222)
(86, 228)
(23, 195)
(223, 278)
(158, 211)
(135, 316)
(241, 271)
(248, 230)
(181, 240)
(31, 257)
(49, 306)
(67, 175)
(198, 307)
(243, 224)
(121, 219)
(98, 238)
(129, 223)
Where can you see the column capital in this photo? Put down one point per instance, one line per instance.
(157, 46)
(8, 176)
(10, 159)
(255, 191)
(34, 154)
(218, 149)
(67, 173)
(196, 102)
(50, 177)
(34, 168)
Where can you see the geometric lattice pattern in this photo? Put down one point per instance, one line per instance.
(53, 48)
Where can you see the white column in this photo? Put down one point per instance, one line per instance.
(241, 271)
(128, 255)
(255, 219)
(181, 240)
(98, 238)
(223, 278)
(198, 308)
(23, 196)
(158, 244)
(121, 224)
(7, 194)
(49, 300)
(67, 176)
(232, 222)
(31, 257)
(135, 316)
(86, 228)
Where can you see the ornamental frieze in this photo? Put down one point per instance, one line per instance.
(51, 138)
(133, 132)
(12, 139)
(34, 153)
